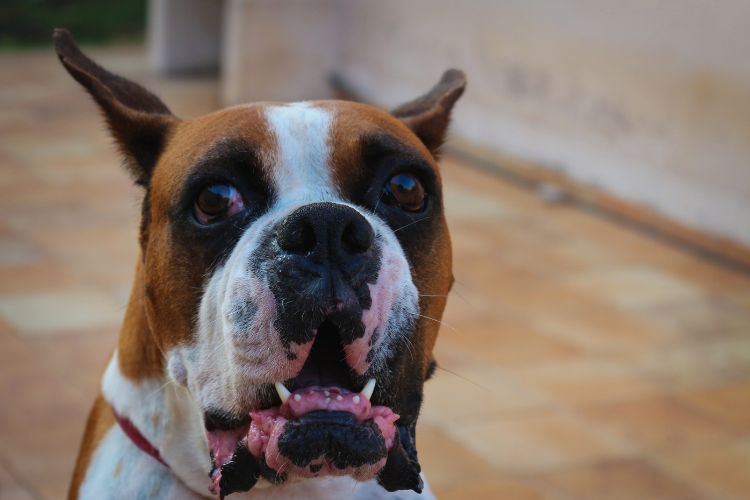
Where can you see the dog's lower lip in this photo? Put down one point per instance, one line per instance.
(276, 437)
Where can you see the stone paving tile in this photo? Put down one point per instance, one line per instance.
(499, 488)
(536, 443)
(61, 311)
(434, 444)
(474, 392)
(689, 365)
(729, 404)
(720, 470)
(700, 320)
(658, 423)
(601, 329)
(45, 275)
(587, 381)
(636, 286)
(619, 480)
(505, 342)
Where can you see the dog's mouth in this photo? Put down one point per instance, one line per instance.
(322, 424)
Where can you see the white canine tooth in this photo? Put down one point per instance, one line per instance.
(356, 400)
(282, 391)
(297, 397)
(339, 397)
(368, 389)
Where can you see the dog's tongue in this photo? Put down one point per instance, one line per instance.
(267, 425)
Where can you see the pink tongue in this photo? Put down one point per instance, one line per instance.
(267, 425)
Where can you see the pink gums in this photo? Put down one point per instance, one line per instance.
(267, 426)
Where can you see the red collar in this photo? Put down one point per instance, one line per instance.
(137, 438)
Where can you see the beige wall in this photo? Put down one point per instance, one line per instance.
(648, 100)
(184, 35)
(279, 50)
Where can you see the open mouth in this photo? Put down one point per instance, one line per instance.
(322, 425)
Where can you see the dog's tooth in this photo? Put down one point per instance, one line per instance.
(356, 400)
(282, 391)
(368, 389)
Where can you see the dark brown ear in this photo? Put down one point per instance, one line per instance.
(428, 116)
(138, 120)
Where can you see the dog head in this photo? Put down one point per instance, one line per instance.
(295, 262)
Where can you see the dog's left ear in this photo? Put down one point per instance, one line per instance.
(428, 116)
(138, 120)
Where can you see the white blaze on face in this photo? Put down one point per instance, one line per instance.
(237, 346)
(302, 173)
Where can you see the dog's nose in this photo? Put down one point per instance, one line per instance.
(327, 233)
(326, 257)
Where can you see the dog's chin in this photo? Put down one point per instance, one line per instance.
(325, 424)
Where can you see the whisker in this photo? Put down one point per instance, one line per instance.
(410, 224)
(439, 322)
(374, 210)
(462, 377)
(410, 346)
(462, 297)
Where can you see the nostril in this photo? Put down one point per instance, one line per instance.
(299, 238)
(357, 236)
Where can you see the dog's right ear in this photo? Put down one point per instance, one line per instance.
(138, 120)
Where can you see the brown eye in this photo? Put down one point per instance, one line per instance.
(405, 191)
(217, 201)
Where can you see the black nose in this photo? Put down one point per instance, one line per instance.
(324, 259)
(331, 246)
(326, 231)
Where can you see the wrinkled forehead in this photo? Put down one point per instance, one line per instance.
(306, 151)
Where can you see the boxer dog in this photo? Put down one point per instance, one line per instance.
(294, 265)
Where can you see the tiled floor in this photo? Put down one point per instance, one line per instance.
(579, 360)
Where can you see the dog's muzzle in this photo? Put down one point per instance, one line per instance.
(320, 262)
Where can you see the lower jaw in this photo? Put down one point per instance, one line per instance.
(400, 470)
(280, 444)
(242, 470)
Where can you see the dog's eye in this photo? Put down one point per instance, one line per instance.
(405, 191)
(217, 201)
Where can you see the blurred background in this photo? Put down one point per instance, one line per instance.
(597, 341)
